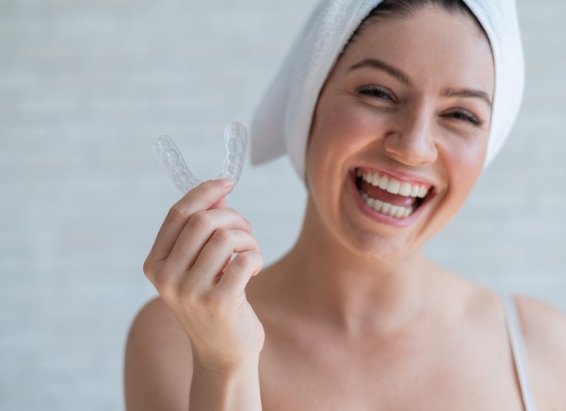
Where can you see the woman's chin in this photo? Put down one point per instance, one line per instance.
(378, 248)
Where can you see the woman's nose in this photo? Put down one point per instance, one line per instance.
(411, 142)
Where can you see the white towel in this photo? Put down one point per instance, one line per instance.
(282, 121)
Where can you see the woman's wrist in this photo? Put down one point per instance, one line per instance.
(223, 370)
(222, 387)
(223, 367)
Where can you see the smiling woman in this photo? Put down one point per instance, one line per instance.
(389, 119)
(388, 109)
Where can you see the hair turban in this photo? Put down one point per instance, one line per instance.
(282, 121)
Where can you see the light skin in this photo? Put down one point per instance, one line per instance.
(411, 130)
(354, 317)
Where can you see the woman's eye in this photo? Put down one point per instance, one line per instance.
(465, 116)
(375, 92)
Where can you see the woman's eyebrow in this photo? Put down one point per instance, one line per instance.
(381, 65)
(464, 92)
(404, 78)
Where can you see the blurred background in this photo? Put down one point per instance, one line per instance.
(87, 86)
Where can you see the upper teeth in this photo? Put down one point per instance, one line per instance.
(392, 185)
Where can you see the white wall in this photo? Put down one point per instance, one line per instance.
(85, 88)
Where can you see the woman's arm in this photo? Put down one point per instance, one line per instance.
(158, 361)
(544, 332)
(160, 373)
(202, 331)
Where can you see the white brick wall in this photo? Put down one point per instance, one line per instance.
(85, 87)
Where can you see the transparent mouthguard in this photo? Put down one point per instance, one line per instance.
(171, 159)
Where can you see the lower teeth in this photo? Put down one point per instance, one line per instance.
(386, 208)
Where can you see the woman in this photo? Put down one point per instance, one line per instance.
(354, 317)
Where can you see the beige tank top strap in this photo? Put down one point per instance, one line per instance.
(517, 347)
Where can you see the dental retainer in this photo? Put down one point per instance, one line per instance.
(171, 159)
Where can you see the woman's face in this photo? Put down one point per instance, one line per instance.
(405, 112)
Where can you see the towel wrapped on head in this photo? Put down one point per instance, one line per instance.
(281, 124)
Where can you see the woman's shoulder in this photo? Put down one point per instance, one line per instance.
(156, 312)
(156, 323)
(158, 360)
(544, 331)
(543, 325)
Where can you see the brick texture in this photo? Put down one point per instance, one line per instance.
(85, 88)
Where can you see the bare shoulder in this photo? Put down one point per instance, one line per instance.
(543, 326)
(158, 361)
(544, 331)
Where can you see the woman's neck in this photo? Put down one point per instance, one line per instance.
(358, 293)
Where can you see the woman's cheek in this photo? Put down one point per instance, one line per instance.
(353, 125)
(467, 159)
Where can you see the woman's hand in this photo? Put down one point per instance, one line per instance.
(193, 267)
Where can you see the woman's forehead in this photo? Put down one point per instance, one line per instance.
(428, 44)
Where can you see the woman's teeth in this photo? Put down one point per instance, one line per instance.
(386, 208)
(392, 185)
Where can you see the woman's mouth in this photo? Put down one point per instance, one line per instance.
(389, 196)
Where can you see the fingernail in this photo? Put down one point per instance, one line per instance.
(226, 182)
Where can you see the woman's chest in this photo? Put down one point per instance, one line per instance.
(320, 379)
